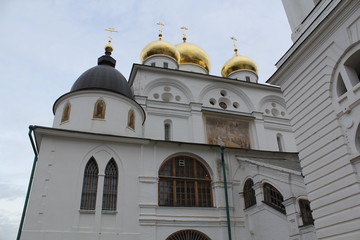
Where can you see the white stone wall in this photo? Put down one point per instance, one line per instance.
(325, 124)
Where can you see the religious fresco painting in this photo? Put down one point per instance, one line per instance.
(229, 132)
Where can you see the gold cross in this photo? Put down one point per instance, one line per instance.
(184, 32)
(111, 30)
(235, 47)
(161, 25)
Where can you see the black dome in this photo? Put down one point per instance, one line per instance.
(103, 77)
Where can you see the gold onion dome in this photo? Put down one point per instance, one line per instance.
(238, 63)
(159, 48)
(193, 54)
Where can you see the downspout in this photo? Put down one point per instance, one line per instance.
(222, 148)
(31, 129)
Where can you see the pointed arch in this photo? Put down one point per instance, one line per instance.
(110, 186)
(99, 109)
(66, 113)
(89, 189)
(249, 193)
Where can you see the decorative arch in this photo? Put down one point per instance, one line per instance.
(110, 189)
(188, 234)
(273, 197)
(274, 106)
(249, 193)
(242, 103)
(184, 181)
(99, 109)
(168, 89)
(66, 113)
(89, 189)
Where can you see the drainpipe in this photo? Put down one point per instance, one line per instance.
(31, 129)
(222, 148)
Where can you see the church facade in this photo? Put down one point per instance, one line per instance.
(176, 153)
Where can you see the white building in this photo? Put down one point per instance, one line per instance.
(142, 159)
(319, 77)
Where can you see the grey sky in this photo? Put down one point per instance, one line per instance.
(46, 44)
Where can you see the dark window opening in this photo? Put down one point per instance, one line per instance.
(273, 198)
(249, 193)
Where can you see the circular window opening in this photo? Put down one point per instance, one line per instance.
(223, 93)
(177, 98)
(273, 104)
(275, 112)
(212, 101)
(223, 105)
(167, 89)
(235, 105)
(156, 95)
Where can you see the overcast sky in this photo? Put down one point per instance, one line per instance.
(45, 45)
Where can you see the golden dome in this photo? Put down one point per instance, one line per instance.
(238, 63)
(192, 54)
(159, 48)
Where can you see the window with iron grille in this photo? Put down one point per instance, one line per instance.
(305, 211)
(188, 235)
(184, 182)
(249, 193)
(273, 198)
(110, 186)
(89, 189)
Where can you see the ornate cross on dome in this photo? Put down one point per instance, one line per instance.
(160, 29)
(110, 30)
(184, 32)
(235, 47)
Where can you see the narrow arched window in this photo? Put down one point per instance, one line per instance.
(131, 119)
(188, 234)
(99, 109)
(306, 213)
(273, 197)
(280, 142)
(249, 193)
(66, 113)
(89, 189)
(110, 186)
(184, 182)
(167, 129)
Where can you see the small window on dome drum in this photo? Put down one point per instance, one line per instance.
(153, 64)
(66, 113)
(99, 109)
(166, 65)
(131, 119)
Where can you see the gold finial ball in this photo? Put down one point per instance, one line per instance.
(109, 48)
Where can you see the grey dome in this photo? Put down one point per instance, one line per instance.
(103, 77)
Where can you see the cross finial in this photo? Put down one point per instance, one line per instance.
(235, 47)
(110, 30)
(184, 32)
(161, 25)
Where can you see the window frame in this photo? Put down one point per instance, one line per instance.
(90, 185)
(249, 194)
(273, 198)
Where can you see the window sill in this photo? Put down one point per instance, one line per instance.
(83, 211)
(109, 212)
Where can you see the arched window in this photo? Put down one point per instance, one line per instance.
(167, 129)
(99, 109)
(66, 113)
(184, 182)
(305, 211)
(89, 189)
(280, 142)
(188, 235)
(131, 119)
(110, 186)
(249, 193)
(273, 197)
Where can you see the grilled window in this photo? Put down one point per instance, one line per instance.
(110, 186)
(184, 182)
(249, 193)
(273, 198)
(305, 211)
(188, 235)
(88, 197)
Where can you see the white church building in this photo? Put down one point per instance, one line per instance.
(174, 153)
